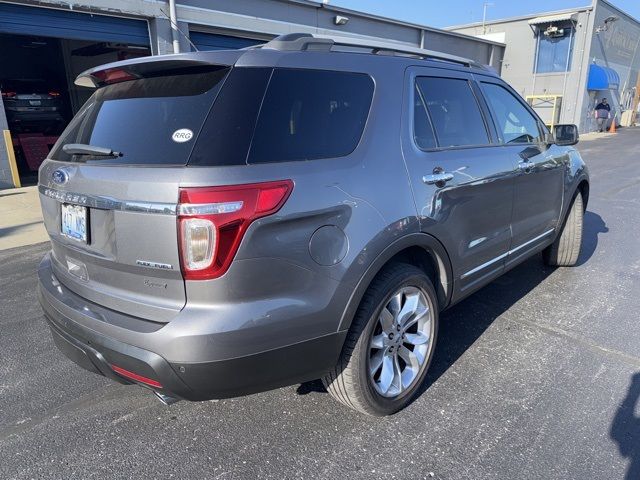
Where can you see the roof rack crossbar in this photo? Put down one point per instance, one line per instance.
(306, 41)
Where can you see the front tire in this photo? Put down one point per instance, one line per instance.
(565, 250)
(390, 344)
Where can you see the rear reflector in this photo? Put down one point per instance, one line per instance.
(213, 220)
(135, 377)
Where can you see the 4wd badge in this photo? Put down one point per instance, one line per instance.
(182, 135)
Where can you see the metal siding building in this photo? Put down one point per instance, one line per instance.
(596, 55)
(86, 33)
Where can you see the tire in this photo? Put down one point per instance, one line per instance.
(565, 250)
(351, 381)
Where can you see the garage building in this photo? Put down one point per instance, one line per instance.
(565, 62)
(45, 44)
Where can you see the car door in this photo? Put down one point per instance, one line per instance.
(463, 183)
(539, 186)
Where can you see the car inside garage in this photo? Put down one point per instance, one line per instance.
(42, 51)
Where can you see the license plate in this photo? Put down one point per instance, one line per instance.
(35, 103)
(74, 222)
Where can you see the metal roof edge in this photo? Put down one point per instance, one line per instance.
(394, 21)
(522, 17)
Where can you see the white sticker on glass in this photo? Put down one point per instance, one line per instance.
(182, 135)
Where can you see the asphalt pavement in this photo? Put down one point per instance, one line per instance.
(536, 376)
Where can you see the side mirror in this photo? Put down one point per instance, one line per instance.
(566, 134)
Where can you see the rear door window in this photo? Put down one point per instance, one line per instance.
(454, 111)
(310, 114)
(422, 128)
(150, 121)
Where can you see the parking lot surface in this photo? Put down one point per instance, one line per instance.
(535, 376)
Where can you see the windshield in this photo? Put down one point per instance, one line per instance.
(150, 121)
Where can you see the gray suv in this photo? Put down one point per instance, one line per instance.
(224, 223)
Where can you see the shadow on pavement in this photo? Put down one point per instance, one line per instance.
(593, 225)
(9, 230)
(10, 194)
(461, 325)
(625, 428)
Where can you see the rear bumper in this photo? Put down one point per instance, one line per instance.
(78, 328)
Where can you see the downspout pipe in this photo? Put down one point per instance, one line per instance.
(173, 16)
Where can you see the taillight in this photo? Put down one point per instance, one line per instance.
(213, 220)
(8, 94)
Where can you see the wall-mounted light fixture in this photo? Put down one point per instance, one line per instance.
(340, 20)
(607, 21)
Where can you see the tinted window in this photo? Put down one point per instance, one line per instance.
(514, 122)
(454, 111)
(139, 117)
(554, 53)
(308, 114)
(422, 129)
(226, 135)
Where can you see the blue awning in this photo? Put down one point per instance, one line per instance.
(602, 78)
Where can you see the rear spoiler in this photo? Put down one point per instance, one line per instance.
(152, 66)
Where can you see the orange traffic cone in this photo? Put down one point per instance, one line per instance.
(612, 128)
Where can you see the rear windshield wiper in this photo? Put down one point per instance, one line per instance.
(90, 150)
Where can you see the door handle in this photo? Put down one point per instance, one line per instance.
(437, 178)
(526, 166)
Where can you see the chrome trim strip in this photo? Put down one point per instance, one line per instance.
(506, 254)
(484, 265)
(539, 237)
(191, 209)
(108, 203)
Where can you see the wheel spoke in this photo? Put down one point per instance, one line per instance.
(416, 338)
(408, 309)
(395, 304)
(378, 341)
(397, 375)
(414, 319)
(386, 320)
(409, 357)
(375, 362)
(387, 374)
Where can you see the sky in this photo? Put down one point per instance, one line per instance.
(438, 13)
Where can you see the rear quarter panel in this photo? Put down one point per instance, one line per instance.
(275, 289)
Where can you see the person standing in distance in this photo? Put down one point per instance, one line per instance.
(602, 113)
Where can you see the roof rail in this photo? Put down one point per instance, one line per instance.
(318, 42)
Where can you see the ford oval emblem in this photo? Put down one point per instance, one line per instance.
(60, 177)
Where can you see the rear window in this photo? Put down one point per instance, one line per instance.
(150, 121)
(310, 114)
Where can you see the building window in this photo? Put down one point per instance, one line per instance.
(555, 50)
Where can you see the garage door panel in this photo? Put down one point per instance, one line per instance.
(213, 41)
(48, 22)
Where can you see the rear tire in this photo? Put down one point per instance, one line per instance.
(565, 250)
(393, 335)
